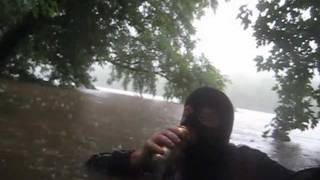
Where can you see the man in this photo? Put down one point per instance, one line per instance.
(201, 151)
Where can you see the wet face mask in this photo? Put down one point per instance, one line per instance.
(205, 128)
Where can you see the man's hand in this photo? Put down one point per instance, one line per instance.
(172, 138)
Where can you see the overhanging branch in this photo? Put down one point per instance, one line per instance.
(127, 66)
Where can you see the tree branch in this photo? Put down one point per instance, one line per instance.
(11, 39)
(160, 73)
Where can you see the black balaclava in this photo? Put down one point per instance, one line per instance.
(209, 144)
(208, 97)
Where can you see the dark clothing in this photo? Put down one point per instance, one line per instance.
(233, 163)
(307, 174)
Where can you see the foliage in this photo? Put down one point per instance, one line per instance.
(291, 28)
(58, 42)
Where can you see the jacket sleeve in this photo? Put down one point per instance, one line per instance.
(116, 163)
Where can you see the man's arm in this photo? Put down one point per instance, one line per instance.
(135, 162)
(116, 163)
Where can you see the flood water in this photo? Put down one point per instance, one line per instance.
(48, 133)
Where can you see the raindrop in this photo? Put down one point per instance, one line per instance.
(96, 124)
(63, 133)
(53, 176)
(26, 106)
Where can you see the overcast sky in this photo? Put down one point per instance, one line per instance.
(224, 41)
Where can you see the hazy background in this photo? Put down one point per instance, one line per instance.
(232, 50)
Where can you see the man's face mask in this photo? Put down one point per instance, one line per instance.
(205, 127)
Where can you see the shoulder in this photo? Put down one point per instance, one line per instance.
(259, 162)
(247, 155)
(248, 152)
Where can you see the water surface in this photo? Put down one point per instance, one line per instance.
(48, 133)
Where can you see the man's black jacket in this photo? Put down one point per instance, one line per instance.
(233, 163)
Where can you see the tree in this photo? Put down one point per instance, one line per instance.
(57, 42)
(291, 28)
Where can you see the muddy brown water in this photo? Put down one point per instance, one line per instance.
(48, 133)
